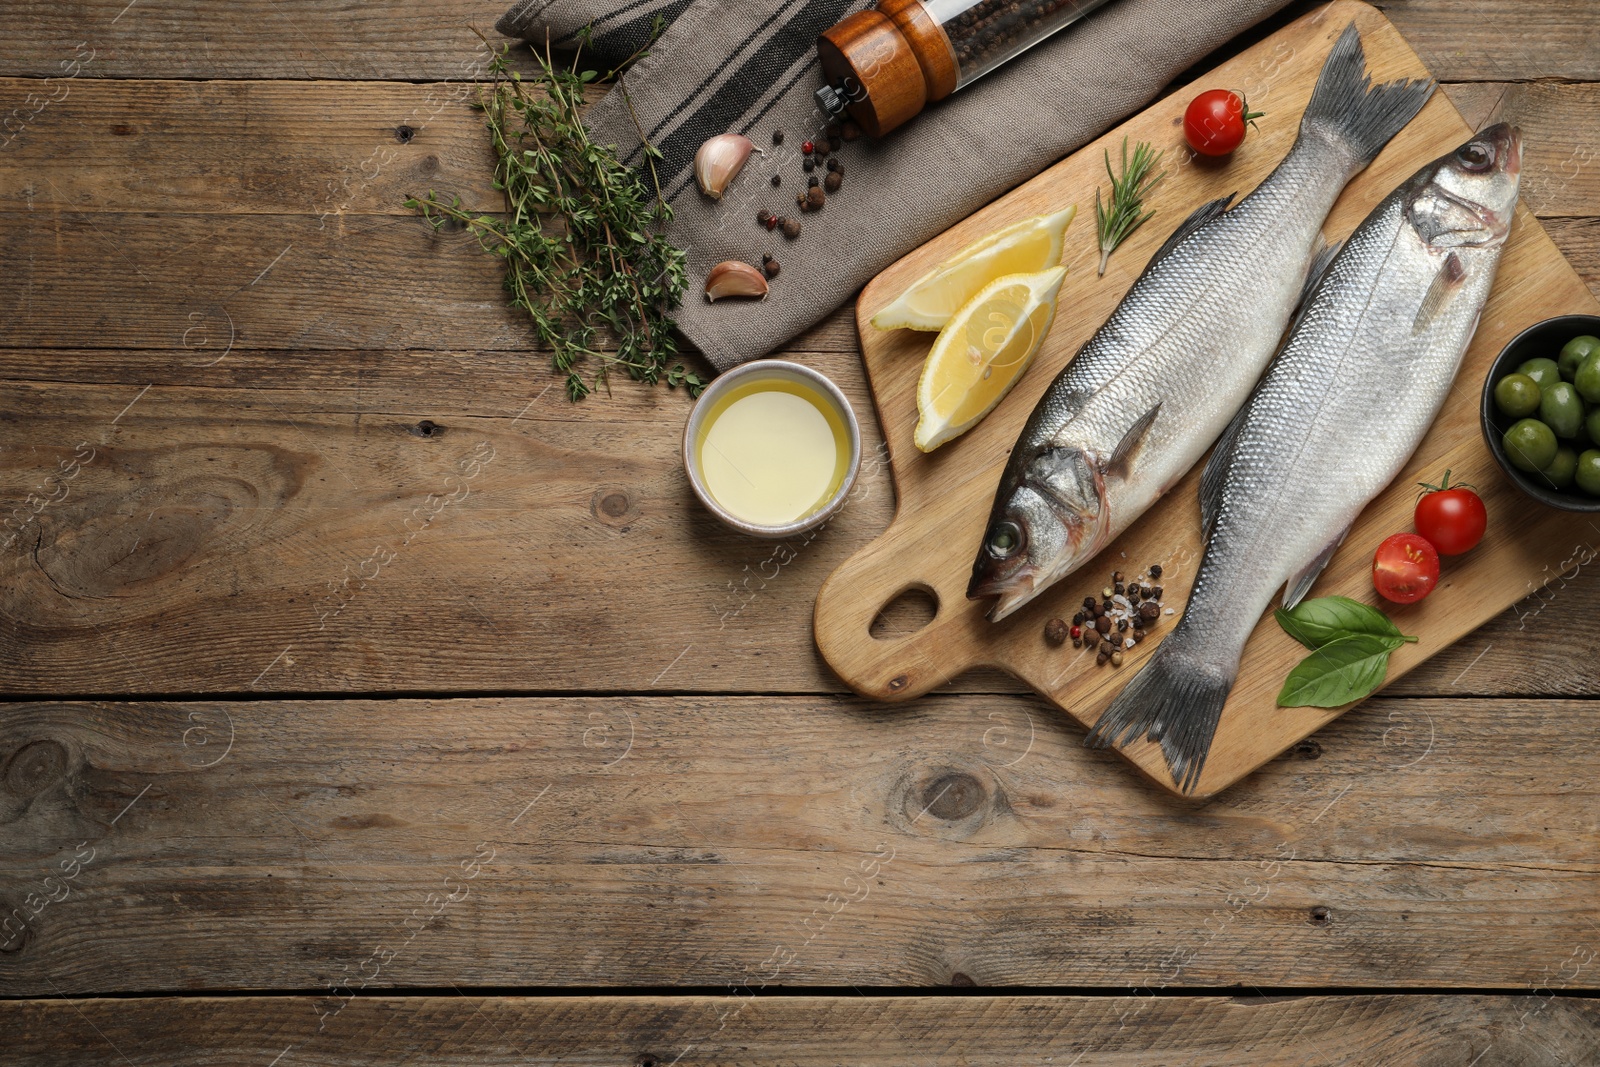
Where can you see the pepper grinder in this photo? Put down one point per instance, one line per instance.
(884, 64)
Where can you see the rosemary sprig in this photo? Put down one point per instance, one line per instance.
(581, 234)
(1126, 210)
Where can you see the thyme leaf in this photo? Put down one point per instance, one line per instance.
(581, 235)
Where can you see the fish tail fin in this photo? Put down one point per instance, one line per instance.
(1347, 107)
(1174, 699)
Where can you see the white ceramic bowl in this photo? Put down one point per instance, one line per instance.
(758, 370)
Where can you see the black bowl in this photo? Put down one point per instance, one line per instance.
(1541, 339)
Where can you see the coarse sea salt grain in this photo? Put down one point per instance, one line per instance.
(1167, 612)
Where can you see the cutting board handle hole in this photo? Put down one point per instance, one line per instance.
(908, 611)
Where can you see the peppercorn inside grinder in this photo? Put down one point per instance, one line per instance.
(884, 64)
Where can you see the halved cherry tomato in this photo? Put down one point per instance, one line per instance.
(1405, 568)
(1214, 122)
(1451, 517)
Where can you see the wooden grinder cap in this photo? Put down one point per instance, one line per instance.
(898, 55)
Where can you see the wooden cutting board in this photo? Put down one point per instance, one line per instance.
(944, 498)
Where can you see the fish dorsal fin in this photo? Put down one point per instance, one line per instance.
(1118, 464)
(1445, 284)
(1300, 583)
(1201, 215)
(1216, 472)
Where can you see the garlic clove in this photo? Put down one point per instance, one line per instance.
(719, 160)
(732, 278)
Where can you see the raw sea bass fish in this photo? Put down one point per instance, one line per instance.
(1361, 378)
(1143, 399)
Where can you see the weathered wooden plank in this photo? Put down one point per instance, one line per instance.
(738, 1030)
(406, 40)
(239, 147)
(92, 280)
(800, 841)
(329, 148)
(1500, 40)
(295, 503)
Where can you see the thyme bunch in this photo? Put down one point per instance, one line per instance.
(581, 234)
(1125, 212)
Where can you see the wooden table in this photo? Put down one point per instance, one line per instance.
(367, 702)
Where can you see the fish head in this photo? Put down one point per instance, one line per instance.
(1048, 517)
(1467, 198)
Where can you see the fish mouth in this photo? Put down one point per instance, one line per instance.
(1011, 596)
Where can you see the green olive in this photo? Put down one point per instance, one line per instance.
(1561, 409)
(1530, 445)
(1587, 378)
(1592, 425)
(1588, 473)
(1544, 372)
(1561, 470)
(1574, 352)
(1517, 396)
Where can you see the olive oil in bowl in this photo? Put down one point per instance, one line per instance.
(772, 448)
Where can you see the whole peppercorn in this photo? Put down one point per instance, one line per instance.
(1077, 642)
(1149, 611)
(808, 164)
(791, 228)
(777, 136)
(1138, 635)
(1119, 588)
(765, 217)
(1155, 571)
(1103, 624)
(1116, 659)
(816, 198)
(770, 265)
(1077, 619)
(1088, 603)
(1107, 592)
(835, 142)
(832, 129)
(821, 152)
(777, 180)
(833, 182)
(1116, 576)
(1155, 594)
(1055, 631)
(1102, 657)
(835, 166)
(812, 182)
(1122, 625)
(807, 148)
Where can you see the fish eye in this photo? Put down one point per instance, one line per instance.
(1475, 156)
(1005, 539)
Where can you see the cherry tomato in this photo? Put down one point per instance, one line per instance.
(1451, 517)
(1214, 121)
(1405, 568)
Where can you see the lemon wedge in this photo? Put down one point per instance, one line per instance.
(1027, 246)
(981, 353)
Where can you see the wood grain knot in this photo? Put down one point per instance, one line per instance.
(121, 129)
(1320, 916)
(404, 133)
(1307, 749)
(898, 682)
(14, 937)
(427, 428)
(614, 505)
(961, 980)
(953, 795)
(35, 767)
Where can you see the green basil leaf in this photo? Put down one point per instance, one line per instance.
(1314, 623)
(1344, 669)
